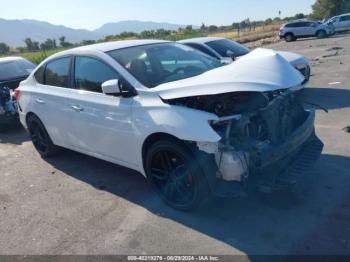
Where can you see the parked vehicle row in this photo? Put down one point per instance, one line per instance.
(300, 29)
(291, 31)
(186, 121)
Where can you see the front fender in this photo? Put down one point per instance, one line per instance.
(151, 115)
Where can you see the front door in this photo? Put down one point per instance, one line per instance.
(101, 123)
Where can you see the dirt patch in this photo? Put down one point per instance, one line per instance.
(336, 53)
(335, 48)
(263, 42)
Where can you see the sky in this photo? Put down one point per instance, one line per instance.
(91, 14)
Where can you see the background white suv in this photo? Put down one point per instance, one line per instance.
(301, 29)
(176, 115)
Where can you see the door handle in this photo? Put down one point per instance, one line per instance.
(40, 101)
(77, 108)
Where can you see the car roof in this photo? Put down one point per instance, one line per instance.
(342, 15)
(109, 46)
(298, 21)
(10, 58)
(201, 40)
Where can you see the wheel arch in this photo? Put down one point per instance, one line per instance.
(152, 138)
(321, 30)
(30, 114)
(289, 33)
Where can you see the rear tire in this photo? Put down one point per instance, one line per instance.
(289, 37)
(176, 175)
(40, 138)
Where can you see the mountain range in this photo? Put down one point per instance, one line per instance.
(13, 32)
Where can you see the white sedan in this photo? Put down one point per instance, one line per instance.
(176, 115)
(227, 50)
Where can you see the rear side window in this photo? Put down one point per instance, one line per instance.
(289, 25)
(202, 49)
(39, 75)
(303, 24)
(90, 73)
(57, 72)
(298, 24)
(345, 18)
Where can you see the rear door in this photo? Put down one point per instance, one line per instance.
(101, 123)
(297, 29)
(307, 28)
(49, 98)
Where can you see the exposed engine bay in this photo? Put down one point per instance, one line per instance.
(262, 132)
(225, 104)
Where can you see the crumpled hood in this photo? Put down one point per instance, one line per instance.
(261, 70)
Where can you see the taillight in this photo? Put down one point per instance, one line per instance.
(17, 94)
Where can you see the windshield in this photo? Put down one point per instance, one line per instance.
(157, 64)
(15, 69)
(224, 45)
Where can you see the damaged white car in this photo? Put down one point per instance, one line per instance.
(176, 115)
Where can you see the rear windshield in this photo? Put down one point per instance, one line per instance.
(224, 45)
(15, 69)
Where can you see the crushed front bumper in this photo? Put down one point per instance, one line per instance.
(298, 162)
(280, 166)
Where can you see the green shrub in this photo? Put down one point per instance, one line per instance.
(38, 57)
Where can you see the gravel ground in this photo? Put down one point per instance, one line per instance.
(75, 204)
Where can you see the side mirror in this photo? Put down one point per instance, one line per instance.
(229, 53)
(111, 87)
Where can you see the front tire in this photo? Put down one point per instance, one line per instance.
(40, 138)
(176, 175)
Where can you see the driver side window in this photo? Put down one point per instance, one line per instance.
(90, 73)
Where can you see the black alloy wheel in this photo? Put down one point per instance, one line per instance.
(176, 175)
(40, 138)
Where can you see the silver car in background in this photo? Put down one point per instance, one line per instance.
(341, 22)
(302, 29)
(227, 51)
